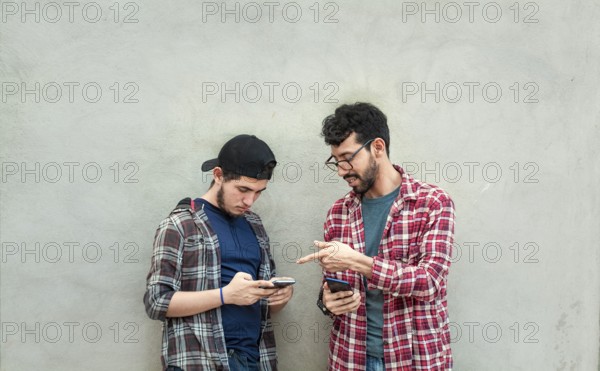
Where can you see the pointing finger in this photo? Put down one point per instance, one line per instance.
(316, 256)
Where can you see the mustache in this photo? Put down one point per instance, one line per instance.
(352, 176)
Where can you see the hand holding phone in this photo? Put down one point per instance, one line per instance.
(339, 303)
(336, 285)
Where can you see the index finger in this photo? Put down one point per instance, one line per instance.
(314, 256)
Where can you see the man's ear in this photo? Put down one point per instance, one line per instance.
(378, 147)
(218, 175)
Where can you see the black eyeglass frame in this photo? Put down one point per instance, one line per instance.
(333, 165)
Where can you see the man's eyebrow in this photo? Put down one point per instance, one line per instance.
(346, 153)
(241, 187)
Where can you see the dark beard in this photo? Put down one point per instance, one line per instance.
(367, 180)
(221, 203)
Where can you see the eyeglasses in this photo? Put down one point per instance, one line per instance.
(344, 164)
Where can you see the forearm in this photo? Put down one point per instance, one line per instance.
(423, 277)
(422, 281)
(188, 303)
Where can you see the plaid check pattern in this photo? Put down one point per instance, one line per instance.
(411, 269)
(186, 258)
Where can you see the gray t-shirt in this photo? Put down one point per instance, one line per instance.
(375, 212)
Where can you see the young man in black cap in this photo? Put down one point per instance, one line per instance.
(211, 257)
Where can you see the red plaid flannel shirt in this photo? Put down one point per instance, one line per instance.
(411, 269)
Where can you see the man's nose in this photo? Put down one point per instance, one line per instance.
(248, 200)
(341, 172)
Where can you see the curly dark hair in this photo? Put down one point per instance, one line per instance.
(364, 119)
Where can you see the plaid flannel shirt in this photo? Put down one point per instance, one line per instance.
(411, 269)
(187, 258)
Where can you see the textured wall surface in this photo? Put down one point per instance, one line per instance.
(108, 109)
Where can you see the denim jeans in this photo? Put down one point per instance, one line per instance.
(239, 362)
(375, 364)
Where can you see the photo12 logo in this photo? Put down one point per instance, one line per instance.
(469, 91)
(494, 252)
(69, 332)
(68, 171)
(271, 91)
(70, 11)
(492, 332)
(270, 11)
(469, 11)
(71, 92)
(69, 252)
(473, 171)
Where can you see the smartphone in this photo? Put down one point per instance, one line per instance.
(279, 283)
(336, 285)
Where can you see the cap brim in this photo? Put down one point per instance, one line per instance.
(210, 164)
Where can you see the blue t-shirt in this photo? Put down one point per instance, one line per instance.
(240, 252)
(374, 213)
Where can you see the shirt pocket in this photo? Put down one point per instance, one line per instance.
(401, 247)
(192, 244)
(193, 256)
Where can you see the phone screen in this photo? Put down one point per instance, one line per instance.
(279, 284)
(336, 285)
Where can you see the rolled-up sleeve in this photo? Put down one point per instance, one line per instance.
(424, 279)
(164, 278)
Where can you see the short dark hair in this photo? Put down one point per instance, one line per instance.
(227, 176)
(364, 119)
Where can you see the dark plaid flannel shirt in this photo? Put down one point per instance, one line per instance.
(187, 258)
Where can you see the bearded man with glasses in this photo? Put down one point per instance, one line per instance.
(391, 239)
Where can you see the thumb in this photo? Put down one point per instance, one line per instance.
(244, 275)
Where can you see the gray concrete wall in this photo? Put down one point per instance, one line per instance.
(108, 110)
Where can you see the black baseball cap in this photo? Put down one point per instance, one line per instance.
(244, 155)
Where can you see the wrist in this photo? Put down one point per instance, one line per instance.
(322, 305)
(363, 264)
(222, 296)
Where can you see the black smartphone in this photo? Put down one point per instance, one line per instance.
(336, 285)
(279, 283)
